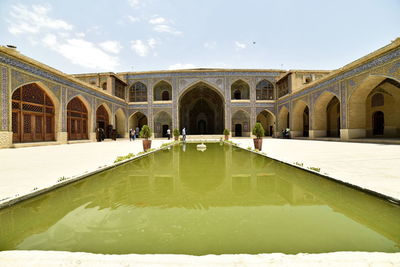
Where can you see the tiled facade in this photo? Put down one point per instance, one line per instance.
(305, 89)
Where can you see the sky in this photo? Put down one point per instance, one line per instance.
(85, 36)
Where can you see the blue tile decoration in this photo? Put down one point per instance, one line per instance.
(4, 98)
(287, 105)
(367, 66)
(47, 75)
(234, 104)
(395, 68)
(201, 74)
(343, 110)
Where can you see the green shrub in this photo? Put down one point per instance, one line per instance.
(176, 133)
(258, 130)
(145, 132)
(226, 131)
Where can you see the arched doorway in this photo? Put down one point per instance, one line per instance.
(240, 90)
(102, 120)
(378, 120)
(283, 121)
(241, 123)
(300, 119)
(326, 117)
(306, 126)
(120, 124)
(77, 120)
(137, 120)
(201, 110)
(162, 122)
(162, 91)
(165, 95)
(267, 120)
(374, 94)
(33, 116)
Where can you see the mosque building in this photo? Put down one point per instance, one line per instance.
(40, 105)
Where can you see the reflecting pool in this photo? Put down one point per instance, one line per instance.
(221, 201)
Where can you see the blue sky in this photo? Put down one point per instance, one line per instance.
(79, 36)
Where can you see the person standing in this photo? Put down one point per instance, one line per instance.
(133, 134)
(168, 133)
(130, 134)
(137, 131)
(184, 134)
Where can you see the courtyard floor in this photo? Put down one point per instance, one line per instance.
(372, 166)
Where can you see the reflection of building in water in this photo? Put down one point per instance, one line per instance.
(164, 180)
(41, 104)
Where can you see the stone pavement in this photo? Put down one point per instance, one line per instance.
(23, 169)
(67, 259)
(374, 167)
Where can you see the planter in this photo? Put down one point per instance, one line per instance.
(226, 137)
(257, 143)
(176, 138)
(146, 145)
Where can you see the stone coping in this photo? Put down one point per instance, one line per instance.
(14, 258)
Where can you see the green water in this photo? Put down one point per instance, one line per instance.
(221, 201)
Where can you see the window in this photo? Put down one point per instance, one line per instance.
(138, 93)
(104, 86)
(264, 90)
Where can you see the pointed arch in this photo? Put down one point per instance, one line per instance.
(240, 90)
(79, 119)
(361, 109)
(120, 123)
(240, 123)
(137, 120)
(103, 119)
(267, 120)
(265, 90)
(162, 91)
(283, 119)
(138, 92)
(300, 119)
(162, 122)
(201, 109)
(326, 116)
(35, 113)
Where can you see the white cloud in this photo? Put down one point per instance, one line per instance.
(210, 45)
(180, 66)
(239, 45)
(167, 29)
(134, 3)
(81, 52)
(161, 25)
(80, 34)
(33, 19)
(132, 18)
(158, 20)
(111, 46)
(142, 48)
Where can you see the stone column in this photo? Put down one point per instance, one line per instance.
(253, 115)
(175, 103)
(150, 120)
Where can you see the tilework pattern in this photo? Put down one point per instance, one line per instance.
(49, 76)
(4, 98)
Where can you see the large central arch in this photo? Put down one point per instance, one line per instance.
(201, 110)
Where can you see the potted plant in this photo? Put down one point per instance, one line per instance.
(146, 134)
(176, 134)
(258, 131)
(226, 133)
